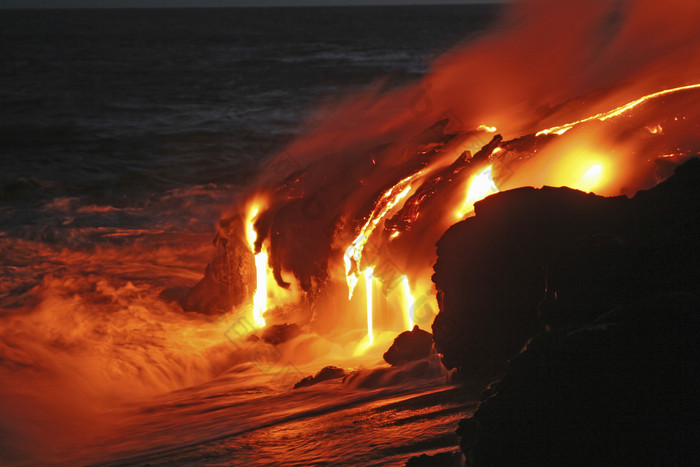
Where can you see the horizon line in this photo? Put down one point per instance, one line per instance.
(24, 7)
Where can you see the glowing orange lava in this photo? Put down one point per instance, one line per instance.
(561, 129)
(386, 203)
(409, 301)
(369, 275)
(487, 128)
(591, 178)
(657, 129)
(260, 297)
(480, 186)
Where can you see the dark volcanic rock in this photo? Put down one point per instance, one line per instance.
(409, 346)
(558, 257)
(620, 391)
(326, 374)
(443, 459)
(280, 333)
(609, 288)
(230, 278)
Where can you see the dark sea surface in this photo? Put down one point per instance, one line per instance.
(114, 105)
(124, 134)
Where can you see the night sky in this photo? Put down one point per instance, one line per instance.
(214, 3)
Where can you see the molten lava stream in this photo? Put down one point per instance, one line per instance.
(409, 301)
(480, 186)
(369, 276)
(389, 200)
(603, 116)
(260, 297)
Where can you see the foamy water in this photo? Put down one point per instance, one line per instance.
(117, 173)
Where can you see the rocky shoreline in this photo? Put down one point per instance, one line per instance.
(586, 312)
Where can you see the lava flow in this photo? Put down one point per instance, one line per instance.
(353, 254)
(260, 297)
(364, 191)
(410, 302)
(370, 198)
(561, 129)
(588, 177)
(480, 186)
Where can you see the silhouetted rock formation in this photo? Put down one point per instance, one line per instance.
(279, 333)
(230, 278)
(620, 391)
(443, 459)
(326, 374)
(609, 288)
(409, 346)
(557, 257)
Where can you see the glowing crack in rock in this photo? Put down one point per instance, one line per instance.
(480, 186)
(561, 129)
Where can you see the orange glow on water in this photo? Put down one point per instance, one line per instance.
(88, 329)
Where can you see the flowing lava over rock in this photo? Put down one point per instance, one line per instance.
(353, 255)
(577, 172)
(410, 302)
(366, 192)
(369, 276)
(373, 189)
(260, 297)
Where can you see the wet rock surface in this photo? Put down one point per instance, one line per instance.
(409, 346)
(230, 278)
(326, 374)
(443, 459)
(280, 333)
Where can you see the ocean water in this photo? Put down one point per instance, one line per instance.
(125, 136)
(100, 102)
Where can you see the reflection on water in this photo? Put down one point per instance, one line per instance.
(327, 424)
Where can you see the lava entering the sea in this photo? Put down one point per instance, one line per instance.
(373, 189)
